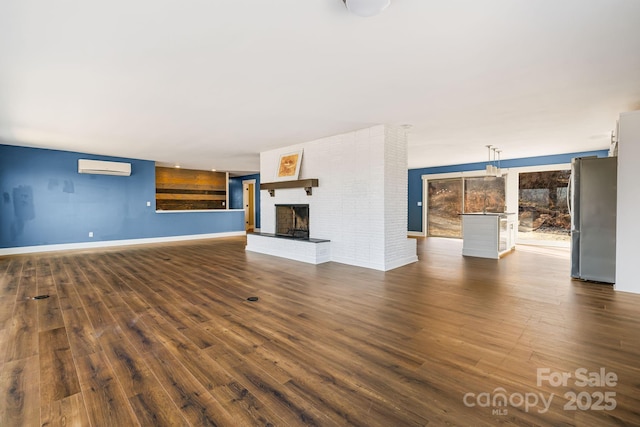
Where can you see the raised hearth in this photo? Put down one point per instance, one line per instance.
(313, 251)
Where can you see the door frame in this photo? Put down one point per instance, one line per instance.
(246, 197)
(448, 175)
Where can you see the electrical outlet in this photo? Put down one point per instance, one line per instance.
(148, 203)
(91, 234)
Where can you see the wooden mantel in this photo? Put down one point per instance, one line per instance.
(307, 184)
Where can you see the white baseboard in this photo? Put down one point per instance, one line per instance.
(377, 266)
(110, 243)
(550, 243)
(400, 262)
(359, 263)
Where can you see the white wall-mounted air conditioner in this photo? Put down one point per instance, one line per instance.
(100, 167)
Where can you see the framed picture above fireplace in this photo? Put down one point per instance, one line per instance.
(289, 166)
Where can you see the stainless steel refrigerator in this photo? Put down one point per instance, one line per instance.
(593, 196)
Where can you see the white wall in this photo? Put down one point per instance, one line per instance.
(361, 201)
(398, 249)
(628, 231)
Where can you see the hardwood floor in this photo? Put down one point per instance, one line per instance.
(163, 335)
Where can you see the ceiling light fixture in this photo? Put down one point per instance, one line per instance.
(498, 170)
(492, 170)
(366, 8)
(493, 163)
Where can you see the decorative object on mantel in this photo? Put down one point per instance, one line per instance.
(289, 166)
(307, 184)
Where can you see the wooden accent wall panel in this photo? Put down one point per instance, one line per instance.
(187, 189)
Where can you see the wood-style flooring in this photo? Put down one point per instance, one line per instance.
(163, 335)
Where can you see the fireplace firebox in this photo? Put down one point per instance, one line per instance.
(292, 221)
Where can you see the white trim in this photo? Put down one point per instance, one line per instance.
(480, 253)
(400, 262)
(110, 243)
(482, 172)
(253, 196)
(357, 263)
(416, 233)
(462, 174)
(199, 210)
(543, 168)
(386, 266)
(226, 199)
(542, 242)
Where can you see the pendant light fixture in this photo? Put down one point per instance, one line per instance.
(491, 169)
(366, 8)
(493, 162)
(498, 170)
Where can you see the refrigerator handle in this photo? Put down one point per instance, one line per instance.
(569, 190)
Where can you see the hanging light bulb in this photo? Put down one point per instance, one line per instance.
(489, 165)
(498, 170)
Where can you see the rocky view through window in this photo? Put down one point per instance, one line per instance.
(543, 212)
(446, 202)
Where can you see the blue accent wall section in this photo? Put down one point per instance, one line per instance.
(235, 194)
(45, 201)
(415, 177)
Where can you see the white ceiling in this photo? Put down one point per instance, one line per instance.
(211, 83)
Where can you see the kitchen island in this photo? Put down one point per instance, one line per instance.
(488, 235)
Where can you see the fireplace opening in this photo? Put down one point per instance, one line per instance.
(292, 221)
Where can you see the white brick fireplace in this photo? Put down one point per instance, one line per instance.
(360, 204)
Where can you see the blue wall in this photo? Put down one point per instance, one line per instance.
(235, 194)
(415, 177)
(46, 201)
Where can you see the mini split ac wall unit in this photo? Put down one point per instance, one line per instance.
(100, 167)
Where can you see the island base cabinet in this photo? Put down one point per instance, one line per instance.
(487, 235)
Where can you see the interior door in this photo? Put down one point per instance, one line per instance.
(248, 202)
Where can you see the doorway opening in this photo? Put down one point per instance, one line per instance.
(248, 203)
(543, 210)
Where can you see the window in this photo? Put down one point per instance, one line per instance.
(484, 194)
(543, 213)
(447, 198)
(444, 204)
